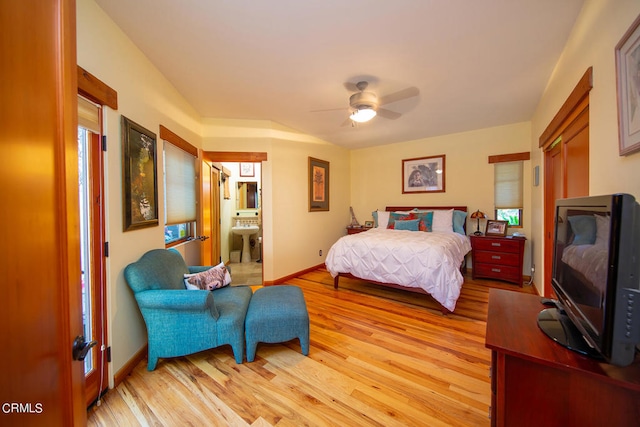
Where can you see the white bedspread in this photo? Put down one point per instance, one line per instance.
(430, 261)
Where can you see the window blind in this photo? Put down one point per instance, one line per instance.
(180, 185)
(508, 185)
(88, 115)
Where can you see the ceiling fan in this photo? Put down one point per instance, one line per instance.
(365, 105)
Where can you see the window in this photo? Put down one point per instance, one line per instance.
(179, 194)
(508, 192)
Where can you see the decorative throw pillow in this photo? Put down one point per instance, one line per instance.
(398, 216)
(410, 225)
(584, 229)
(443, 220)
(213, 278)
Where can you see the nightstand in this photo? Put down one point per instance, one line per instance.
(355, 230)
(498, 258)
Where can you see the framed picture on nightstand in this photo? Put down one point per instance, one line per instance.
(496, 228)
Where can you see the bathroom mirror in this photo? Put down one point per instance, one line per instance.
(247, 195)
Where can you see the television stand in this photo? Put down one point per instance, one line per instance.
(537, 382)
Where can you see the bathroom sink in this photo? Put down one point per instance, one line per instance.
(245, 232)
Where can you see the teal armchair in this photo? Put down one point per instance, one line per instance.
(180, 321)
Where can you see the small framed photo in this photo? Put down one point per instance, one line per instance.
(423, 175)
(246, 169)
(628, 86)
(368, 224)
(496, 228)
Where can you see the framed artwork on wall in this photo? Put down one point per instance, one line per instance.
(628, 85)
(140, 182)
(424, 175)
(246, 169)
(318, 185)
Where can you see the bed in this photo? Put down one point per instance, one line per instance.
(424, 262)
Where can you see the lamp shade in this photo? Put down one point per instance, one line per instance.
(362, 115)
(477, 214)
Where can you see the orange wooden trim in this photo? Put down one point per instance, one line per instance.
(94, 89)
(512, 157)
(128, 367)
(577, 95)
(235, 156)
(173, 138)
(292, 276)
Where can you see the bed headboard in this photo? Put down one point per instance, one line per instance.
(428, 208)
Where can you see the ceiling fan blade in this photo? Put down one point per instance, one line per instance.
(351, 87)
(388, 114)
(400, 95)
(329, 109)
(347, 122)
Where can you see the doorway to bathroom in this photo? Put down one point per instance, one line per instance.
(239, 204)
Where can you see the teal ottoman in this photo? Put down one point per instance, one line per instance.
(276, 314)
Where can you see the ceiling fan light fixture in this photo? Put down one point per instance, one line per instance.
(362, 115)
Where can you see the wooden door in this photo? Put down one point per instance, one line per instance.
(206, 254)
(39, 254)
(575, 142)
(565, 143)
(210, 252)
(552, 191)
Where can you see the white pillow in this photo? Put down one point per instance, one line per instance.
(442, 220)
(383, 219)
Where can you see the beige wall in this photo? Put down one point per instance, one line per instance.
(376, 173)
(600, 26)
(147, 98)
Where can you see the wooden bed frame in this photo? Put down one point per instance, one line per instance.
(393, 285)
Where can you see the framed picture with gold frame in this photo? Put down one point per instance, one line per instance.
(318, 185)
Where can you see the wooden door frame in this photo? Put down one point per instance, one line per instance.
(575, 104)
(97, 91)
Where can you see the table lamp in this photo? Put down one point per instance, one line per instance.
(477, 215)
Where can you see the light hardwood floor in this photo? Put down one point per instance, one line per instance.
(378, 357)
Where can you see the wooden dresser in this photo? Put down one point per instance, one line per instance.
(537, 382)
(498, 258)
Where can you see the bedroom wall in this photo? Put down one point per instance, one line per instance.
(147, 98)
(376, 173)
(597, 31)
(292, 236)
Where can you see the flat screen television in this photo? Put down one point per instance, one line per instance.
(596, 278)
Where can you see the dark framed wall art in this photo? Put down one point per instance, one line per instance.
(424, 175)
(318, 185)
(140, 182)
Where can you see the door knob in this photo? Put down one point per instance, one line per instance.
(82, 347)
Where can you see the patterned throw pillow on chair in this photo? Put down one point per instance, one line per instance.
(208, 280)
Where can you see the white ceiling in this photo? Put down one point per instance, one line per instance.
(475, 63)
